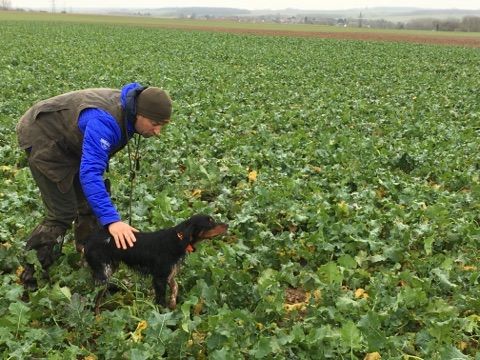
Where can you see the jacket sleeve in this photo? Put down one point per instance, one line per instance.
(101, 135)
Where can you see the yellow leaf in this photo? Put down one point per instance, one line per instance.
(474, 317)
(90, 357)
(252, 176)
(142, 325)
(196, 193)
(137, 334)
(198, 337)
(136, 337)
(373, 356)
(343, 207)
(317, 295)
(361, 294)
(19, 271)
(291, 307)
(9, 169)
(469, 268)
(297, 299)
(197, 309)
(381, 192)
(435, 186)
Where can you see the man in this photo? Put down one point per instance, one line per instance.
(69, 140)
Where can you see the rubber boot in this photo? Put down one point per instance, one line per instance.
(47, 241)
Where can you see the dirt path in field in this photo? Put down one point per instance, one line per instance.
(366, 36)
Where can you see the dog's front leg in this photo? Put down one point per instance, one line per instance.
(173, 287)
(99, 298)
(160, 286)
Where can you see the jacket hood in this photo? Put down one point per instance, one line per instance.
(125, 89)
(123, 98)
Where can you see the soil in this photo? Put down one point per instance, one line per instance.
(450, 40)
(295, 296)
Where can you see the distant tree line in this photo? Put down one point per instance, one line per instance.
(467, 23)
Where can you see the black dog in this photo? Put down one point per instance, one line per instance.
(157, 253)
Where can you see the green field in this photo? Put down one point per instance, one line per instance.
(365, 202)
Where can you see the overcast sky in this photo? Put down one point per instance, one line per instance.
(252, 4)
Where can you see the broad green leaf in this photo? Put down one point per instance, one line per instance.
(19, 314)
(371, 327)
(347, 262)
(428, 245)
(452, 353)
(443, 277)
(351, 336)
(263, 348)
(330, 273)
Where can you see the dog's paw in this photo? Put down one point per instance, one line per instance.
(100, 281)
(161, 302)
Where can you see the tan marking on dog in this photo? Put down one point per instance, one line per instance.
(217, 230)
(173, 287)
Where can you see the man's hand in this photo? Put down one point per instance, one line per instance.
(123, 234)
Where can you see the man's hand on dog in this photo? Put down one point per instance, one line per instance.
(123, 234)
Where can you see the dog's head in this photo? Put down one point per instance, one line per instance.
(197, 228)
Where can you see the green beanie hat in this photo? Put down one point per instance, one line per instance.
(155, 104)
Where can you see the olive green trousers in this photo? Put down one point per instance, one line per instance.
(61, 210)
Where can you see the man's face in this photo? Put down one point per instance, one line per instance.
(147, 127)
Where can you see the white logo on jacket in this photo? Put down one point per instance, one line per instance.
(105, 144)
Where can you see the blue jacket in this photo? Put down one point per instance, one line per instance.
(101, 135)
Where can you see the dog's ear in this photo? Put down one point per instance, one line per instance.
(189, 233)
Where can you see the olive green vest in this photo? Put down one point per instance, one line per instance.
(50, 130)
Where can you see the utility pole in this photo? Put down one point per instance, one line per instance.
(360, 20)
(53, 6)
